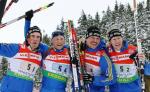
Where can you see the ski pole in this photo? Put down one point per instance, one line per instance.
(23, 16)
(9, 5)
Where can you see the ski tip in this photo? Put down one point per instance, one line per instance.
(15, 1)
(50, 4)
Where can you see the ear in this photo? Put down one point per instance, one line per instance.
(28, 40)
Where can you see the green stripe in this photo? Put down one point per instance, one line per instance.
(127, 80)
(54, 76)
(10, 73)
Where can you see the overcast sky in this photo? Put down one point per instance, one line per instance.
(48, 19)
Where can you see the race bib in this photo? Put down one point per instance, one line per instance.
(23, 68)
(93, 70)
(126, 72)
(58, 68)
(29, 68)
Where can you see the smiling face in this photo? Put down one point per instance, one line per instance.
(116, 42)
(34, 40)
(92, 41)
(58, 42)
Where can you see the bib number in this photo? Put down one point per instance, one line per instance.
(29, 67)
(61, 68)
(93, 70)
(124, 69)
(126, 73)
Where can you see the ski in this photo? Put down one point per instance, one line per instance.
(23, 16)
(2, 7)
(75, 59)
(9, 5)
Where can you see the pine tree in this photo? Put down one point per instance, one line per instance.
(83, 24)
(116, 9)
(128, 10)
(46, 39)
(106, 19)
(148, 5)
(106, 22)
(115, 13)
(97, 20)
(121, 10)
(61, 26)
(143, 28)
(90, 21)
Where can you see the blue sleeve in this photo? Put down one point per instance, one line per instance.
(43, 48)
(26, 27)
(8, 50)
(147, 68)
(66, 46)
(108, 74)
(102, 44)
(103, 65)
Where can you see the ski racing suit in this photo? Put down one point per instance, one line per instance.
(127, 75)
(99, 65)
(56, 70)
(22, 66)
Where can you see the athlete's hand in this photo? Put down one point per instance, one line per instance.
(141, 56)
(29, 15)
(87, 78)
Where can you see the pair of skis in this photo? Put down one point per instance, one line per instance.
(76, 60)
(23, 16)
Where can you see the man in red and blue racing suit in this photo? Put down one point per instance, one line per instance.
(99, 67)
(56, 65)
(127, 75)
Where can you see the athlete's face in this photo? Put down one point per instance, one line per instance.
(117, 42)
(58, 42)
(34, 40)
(92, 41)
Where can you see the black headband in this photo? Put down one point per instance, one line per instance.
(57, 33)
(93, 31)
(113, 33)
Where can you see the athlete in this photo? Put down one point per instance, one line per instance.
(127, 74)
(23, 61)
(99, 67)
(56, 65)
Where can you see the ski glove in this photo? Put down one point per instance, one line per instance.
(29, 15)
(87, 78)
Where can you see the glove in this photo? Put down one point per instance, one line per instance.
(132, 56)
(29, 15)
(87, 78)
